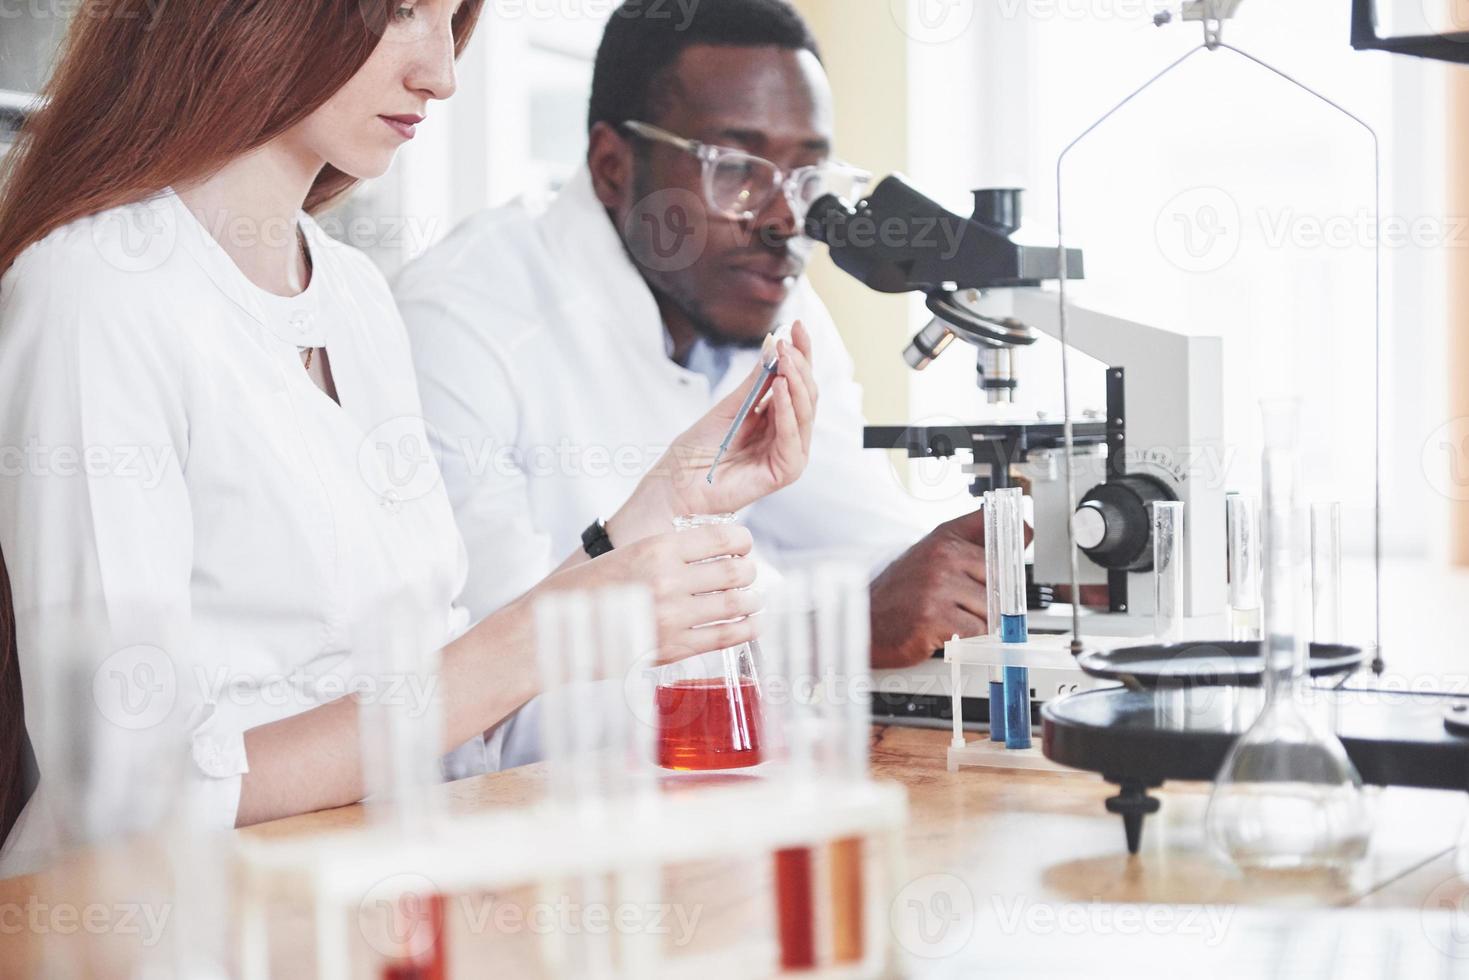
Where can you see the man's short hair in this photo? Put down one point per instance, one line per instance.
(645, 38)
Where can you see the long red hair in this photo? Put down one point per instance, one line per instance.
(142, 99)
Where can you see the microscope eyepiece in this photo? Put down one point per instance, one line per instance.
(825, 216)
(998, 208)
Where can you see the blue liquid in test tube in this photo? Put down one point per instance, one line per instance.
(1009, 518)
(992, 607)
(1014, 629)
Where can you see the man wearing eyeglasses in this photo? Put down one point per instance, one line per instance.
(557, 351)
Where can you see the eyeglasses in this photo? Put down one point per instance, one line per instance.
(739, 185)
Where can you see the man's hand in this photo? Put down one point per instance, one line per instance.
(936, 589)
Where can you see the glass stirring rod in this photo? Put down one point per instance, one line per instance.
(768, 358)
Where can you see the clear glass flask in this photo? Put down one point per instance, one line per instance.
(708, 706)
(1287, 797)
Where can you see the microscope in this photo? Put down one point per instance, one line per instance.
(1163, 416)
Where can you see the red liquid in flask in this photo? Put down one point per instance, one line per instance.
(705, 723)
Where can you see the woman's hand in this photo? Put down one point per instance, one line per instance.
(698, 607)
(769, 452)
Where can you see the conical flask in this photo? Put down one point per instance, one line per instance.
(708, 706)
(1287, 797)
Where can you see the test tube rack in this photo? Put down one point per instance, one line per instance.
(629, 842)
(1048, 652)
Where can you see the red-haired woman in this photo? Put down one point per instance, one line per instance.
(208, 418)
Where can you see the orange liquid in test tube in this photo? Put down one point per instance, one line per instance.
(795, 909)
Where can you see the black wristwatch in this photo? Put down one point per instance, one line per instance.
(594, 540)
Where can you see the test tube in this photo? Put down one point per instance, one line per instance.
(1010, 535)
(843, 645)
(992, 614)
(817, 671)
(401, 732)
(792, 661)
(600, 749)
(1242, 523)
(586, 641)
(1168, 571)
(1326, 572)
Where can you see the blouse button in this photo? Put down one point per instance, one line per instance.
(391, 502)
(301, 321)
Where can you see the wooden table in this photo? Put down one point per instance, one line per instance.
(1004, 852)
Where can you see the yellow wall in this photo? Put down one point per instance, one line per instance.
(866, 55)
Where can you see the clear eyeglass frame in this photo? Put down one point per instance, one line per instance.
(739, 185)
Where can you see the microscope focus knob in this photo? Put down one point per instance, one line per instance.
(1113, 524)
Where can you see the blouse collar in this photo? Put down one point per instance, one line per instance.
(295, 320)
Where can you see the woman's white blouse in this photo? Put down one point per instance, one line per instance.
(186, 515)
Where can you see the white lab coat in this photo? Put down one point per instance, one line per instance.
(174, 483)
(549, 392)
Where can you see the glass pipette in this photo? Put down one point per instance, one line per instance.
(769, 357)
